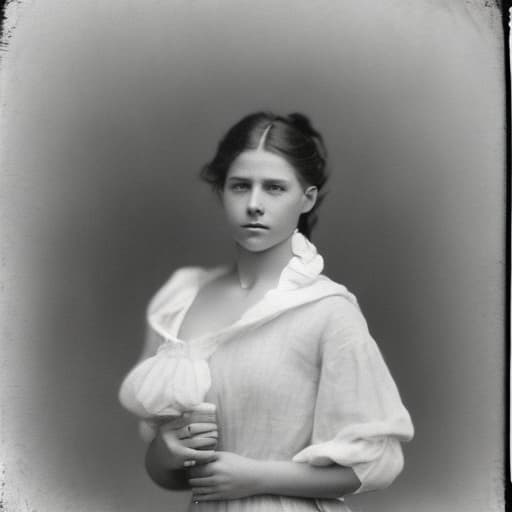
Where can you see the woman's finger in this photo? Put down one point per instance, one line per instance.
(199, 442)
(184, 432)
(204, 481)
(175, 446)
(201, 457)
(194, 429)
(200, 417)
(187, 418)
(199, 428)
(209, 433)
(200, 471)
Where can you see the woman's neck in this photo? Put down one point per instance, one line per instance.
(262, 269)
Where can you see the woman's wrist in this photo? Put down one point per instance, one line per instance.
(260, 476)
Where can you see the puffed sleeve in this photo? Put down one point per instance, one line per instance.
(167, 380)
(359, 419)
(152, 341)
(147, 428)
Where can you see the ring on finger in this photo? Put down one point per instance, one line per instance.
(185, 433)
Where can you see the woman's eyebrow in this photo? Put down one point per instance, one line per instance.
(238, 178)
(266, 181)
(274, 181)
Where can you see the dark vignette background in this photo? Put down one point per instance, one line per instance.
(110, 108)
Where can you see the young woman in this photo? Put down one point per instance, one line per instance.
(260, 386)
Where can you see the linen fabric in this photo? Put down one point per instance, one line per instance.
(297, 377)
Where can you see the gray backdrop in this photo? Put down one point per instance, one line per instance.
(110, 108)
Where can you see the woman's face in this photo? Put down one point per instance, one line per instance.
(263, 199)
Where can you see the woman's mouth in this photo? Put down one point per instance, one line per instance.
(255, 225)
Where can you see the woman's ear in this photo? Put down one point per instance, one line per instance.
(310, 197)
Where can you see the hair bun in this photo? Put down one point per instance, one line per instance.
(303, 123)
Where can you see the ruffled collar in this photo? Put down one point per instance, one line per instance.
(304, 267)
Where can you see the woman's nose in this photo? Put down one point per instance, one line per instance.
(255, 204)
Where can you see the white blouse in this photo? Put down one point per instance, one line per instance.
(297, 377)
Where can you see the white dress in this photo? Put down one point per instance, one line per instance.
(297, 377)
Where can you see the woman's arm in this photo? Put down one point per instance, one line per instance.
(232, 476)
(299, 479)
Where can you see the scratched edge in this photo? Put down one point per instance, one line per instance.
(4, 23)
(506, 6)
(7, 25)
(3, 49)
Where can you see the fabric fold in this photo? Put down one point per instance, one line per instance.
(166, 384)
(359, 419)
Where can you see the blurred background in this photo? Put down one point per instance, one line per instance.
(109, 109)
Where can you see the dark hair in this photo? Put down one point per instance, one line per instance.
(291, 137)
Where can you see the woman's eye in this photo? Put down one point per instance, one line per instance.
(237, 187)
(275, 188)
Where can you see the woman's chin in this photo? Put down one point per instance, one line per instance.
(254, 244)
(254, 247)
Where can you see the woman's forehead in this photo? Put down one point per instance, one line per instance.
(261, 164)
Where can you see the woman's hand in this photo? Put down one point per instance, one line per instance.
(181, 443)
(187, 438)
(181, 453)
(230, 476)
(165, 461)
